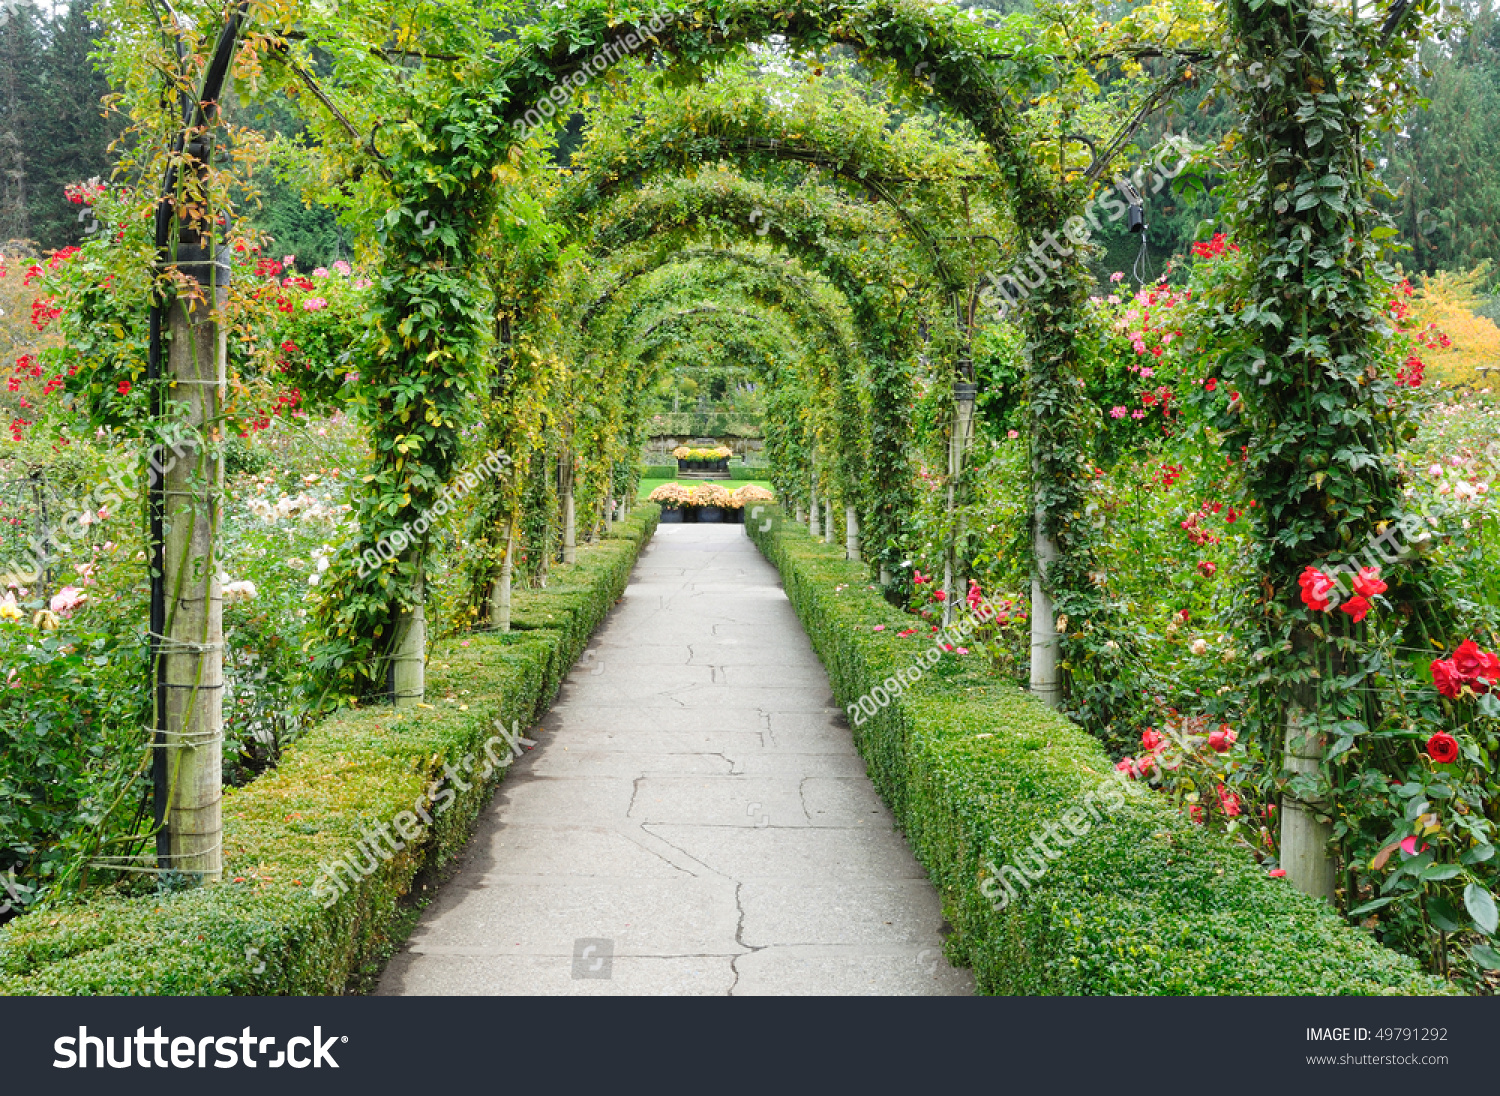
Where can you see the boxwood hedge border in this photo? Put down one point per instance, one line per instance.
(1145, 904)
(261, 931)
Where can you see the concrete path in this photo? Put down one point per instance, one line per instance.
(695, 819)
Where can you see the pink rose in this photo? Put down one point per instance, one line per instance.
(67, 599)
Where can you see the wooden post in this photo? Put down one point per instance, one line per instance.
(851, 533)
(183, 498)
(500, 590)
(814, 511)
(409, 656)
(570, 529)
(827, 521)
(1305, 842)
(192, 647)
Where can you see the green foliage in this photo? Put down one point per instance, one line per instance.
(72, 757)
(1145, 904)
(1448, 198)
(262, 931)
(56, 132)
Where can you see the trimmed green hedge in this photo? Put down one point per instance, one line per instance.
(262, 931)
(1145, 904)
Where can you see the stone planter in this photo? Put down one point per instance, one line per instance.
(671, 514)
(701, 468)
(710, 513)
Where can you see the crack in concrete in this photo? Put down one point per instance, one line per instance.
(644, 828)
(739, 937)
(802, 798)
(799, 881)
(635, 790)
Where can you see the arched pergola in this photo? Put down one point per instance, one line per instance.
(430, 312)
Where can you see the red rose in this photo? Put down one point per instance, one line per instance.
(1446, 678)
(1442, 748)
(1489, 667)
(1316, 587)
(1469, 660)
(1219, 741)
(1367, 583)
(1211, 384)
(1150, 740)
(1356, 607)
(1230, 802)
(1207, 568)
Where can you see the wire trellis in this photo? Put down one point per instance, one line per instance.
(39, 520)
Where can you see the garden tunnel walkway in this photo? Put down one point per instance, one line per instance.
(694, 819)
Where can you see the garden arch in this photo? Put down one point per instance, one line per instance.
(429, 316)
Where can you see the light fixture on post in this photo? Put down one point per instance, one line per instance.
(1135, 220)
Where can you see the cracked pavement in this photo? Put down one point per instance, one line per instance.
(694, 820)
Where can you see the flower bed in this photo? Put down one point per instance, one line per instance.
(715, 453)
(714, 459)
(273, 926)
(1144, 903)
(707, 502)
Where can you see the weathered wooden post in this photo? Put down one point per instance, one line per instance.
(1046, 680)
(408, 675)
(500, 590)
(1305, 841)
(189, 647)
(565, 488)
(814, 512)
(186, 634)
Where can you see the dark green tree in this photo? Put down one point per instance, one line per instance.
(1442, 167)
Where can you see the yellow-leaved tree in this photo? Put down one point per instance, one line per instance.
(1449, 299)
